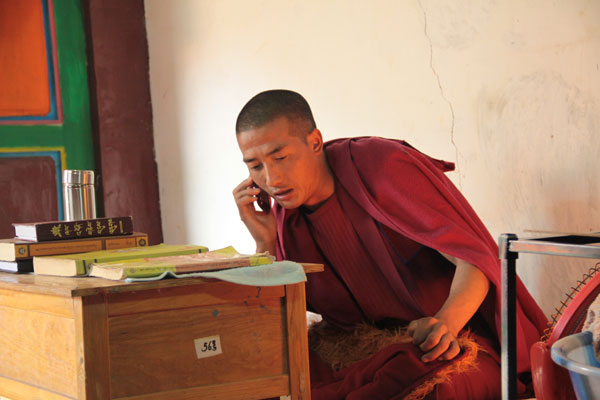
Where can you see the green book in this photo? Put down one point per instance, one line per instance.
(180, 264)
(79, 264)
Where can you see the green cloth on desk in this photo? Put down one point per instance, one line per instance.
(275, 274)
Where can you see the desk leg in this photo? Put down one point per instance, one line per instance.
(297, 339)
(508, 317)
(91, 325)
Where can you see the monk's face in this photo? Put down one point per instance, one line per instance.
(288, 167)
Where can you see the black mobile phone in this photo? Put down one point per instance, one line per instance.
(263, 200)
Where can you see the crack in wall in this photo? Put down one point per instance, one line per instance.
(439, 82)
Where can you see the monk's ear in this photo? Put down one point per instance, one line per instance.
(315, 141)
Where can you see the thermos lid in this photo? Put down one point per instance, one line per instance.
(78, 177)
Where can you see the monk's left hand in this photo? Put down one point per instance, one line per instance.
(434, 338)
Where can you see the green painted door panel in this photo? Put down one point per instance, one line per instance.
(67, 140)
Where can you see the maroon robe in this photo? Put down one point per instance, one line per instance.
(397, 205)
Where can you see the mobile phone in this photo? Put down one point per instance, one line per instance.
(263, 200)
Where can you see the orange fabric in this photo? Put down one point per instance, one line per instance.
(23, 60)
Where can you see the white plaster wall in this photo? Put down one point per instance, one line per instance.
(509, 90)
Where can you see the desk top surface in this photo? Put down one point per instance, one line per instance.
(85, 286)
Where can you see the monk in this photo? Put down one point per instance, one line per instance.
(411, 274)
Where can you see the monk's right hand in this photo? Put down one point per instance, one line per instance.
(434, 338)
(261, 225)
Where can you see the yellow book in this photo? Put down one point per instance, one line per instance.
(78, 264)
(180, 264)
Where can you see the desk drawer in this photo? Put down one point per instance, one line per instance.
(155, 351)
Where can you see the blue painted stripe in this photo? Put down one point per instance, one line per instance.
(55, 155)
(53, 114)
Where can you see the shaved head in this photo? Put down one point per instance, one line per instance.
(267, 106)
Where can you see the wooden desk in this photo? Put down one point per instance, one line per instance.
(90, 338)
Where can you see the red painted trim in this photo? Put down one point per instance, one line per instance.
(122, 113)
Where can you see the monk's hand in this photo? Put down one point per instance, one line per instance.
(261, 225)
(433, 337)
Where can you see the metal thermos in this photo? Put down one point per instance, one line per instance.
(78, 194)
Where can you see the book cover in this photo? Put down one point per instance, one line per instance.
(19, 267)
(78, 264)
(60, 230)
(19, 249)
(183, 264)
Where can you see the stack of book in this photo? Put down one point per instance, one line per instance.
(108, 248)
(52, 238)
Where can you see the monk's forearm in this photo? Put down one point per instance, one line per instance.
(467, 292)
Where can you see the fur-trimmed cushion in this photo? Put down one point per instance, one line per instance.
(340, 349)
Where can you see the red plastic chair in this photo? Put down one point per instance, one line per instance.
(550, 381)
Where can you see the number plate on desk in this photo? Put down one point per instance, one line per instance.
(208, 346)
